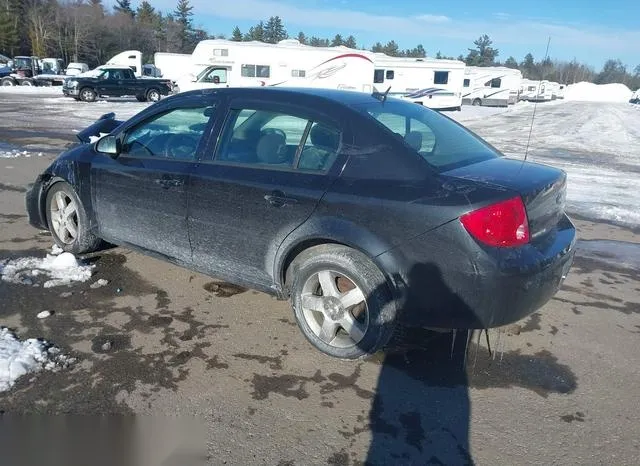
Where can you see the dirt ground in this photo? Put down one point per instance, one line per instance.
(228, 376)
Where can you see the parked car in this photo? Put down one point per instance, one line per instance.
(75, 69)
(115, 82)
(363, 211)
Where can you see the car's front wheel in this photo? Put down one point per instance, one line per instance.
(153, 95)
(341, 301)
(87, 94)
(68, 221)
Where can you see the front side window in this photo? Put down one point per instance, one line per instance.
(171, 135)
(441, 77)
(441, 142)
(278, 140)
(378, 76)
(216, 76)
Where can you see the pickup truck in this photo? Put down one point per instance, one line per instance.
(115, 82)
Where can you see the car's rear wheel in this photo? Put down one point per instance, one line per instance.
(26, 82)
(87, 94)
(68, 221)
(341, 301)
(153, 95)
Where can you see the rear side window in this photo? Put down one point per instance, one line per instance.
(278, 140)
(171, 135)
(441, 142)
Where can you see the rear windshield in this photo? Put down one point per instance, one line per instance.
(444, 144)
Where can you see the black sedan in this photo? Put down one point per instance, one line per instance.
(364, 211)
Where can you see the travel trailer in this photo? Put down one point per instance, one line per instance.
(224, 63)
(557, 90)
(430, 82)
(173, 65)
(494, 86)
(536, 91)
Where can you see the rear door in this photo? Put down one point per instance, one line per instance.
(266, 178)
(140, 197)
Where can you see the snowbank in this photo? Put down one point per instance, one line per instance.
(53, 270)
(14, 153)
(18, 358)
(589, 92)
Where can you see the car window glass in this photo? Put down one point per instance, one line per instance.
(262, 138)
(440, 141)
(174, 134)
(320, 149)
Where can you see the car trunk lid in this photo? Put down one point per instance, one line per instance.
(542, 188)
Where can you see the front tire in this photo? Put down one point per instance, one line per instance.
(8, 82)
(153, 95)
(67, 220)
(87, 94)
(341, 301)
(476, 102)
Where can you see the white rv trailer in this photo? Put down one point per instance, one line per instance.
(536, 91)
(495, 86)
(428, 81)
(173, 65)
(557, 90)
(224, 63)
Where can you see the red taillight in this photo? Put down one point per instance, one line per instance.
(502, 225)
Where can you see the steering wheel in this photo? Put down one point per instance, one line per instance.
(180, 146)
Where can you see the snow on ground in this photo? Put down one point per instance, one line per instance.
(53, 270)
(19, 358)
(589, 92)
(597, 144)
(30, 89)
(13, 153)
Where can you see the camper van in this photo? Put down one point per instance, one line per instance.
(223, 63)
(494, 86)
(431, 82)
(536, 91)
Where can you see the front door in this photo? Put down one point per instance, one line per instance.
(140, 197)
(266, 179)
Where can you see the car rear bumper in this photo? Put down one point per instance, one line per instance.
(447, 280)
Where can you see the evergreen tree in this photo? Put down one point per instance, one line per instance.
(236, 35)
(483, 54)
(255, 32)
(377, 48)
(391, 48)
(274, 30)
(146, 14)
(124, 6)
(183, 14)
(351, 42)
(511, 63)
(302, 38)
(337, 41)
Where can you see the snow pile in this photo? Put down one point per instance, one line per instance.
(14, 153)
(18, 358)
(54, 270)
(589, 92)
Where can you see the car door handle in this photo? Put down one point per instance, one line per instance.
(167, 183)
(279, 199)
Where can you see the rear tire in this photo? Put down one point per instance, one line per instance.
(8, 82)
(341, 301)
(67, 220)
(26, 82)
(477, 102)
(87, 94)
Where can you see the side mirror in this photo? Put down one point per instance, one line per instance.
(109, 145)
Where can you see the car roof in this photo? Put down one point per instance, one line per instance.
(342, 97)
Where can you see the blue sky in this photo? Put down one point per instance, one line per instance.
(590, 31)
